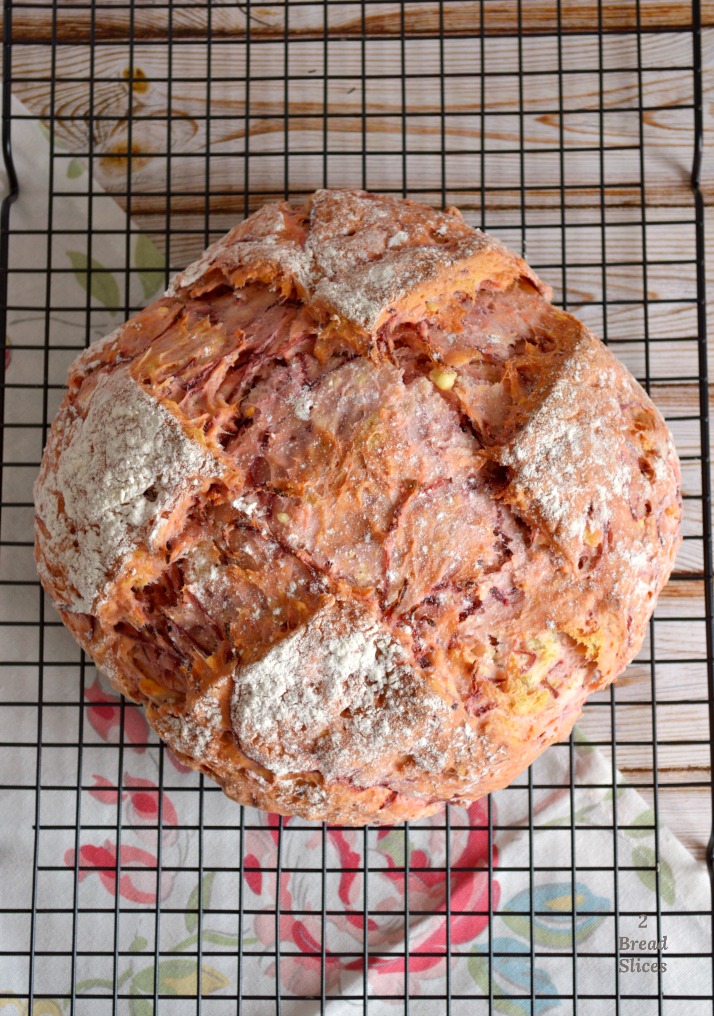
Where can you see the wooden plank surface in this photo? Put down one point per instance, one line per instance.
(455, 18)
(483, 130)
(341, 132)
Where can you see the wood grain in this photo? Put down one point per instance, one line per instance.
(151, 20)
(482, 133)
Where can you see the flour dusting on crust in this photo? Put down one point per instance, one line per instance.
(193, 732)
(357, 256)
(336, 696)
(360, 293)
(567, 459)
(121, 468)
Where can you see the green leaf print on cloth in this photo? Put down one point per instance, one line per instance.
(643, 825)
(104, 286)
(644, 860)
(191, 919)
(149, 262)
(75, 169)
(179, 977)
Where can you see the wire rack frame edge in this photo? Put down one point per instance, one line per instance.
(322, 998)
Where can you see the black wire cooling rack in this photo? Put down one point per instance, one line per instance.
(137, 133)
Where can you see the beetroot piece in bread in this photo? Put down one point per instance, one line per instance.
(355, 512)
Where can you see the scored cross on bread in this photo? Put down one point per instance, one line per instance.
(355, 512)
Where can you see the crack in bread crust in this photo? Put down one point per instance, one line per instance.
(386, 485)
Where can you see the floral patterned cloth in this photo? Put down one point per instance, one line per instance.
(539, 856)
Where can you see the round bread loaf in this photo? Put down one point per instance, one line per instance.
(355, 512)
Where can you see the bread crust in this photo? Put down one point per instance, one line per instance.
(355, 513)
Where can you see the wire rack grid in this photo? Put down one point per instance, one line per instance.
(163, 123)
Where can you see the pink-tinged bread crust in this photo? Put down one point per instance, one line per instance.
(355, 512)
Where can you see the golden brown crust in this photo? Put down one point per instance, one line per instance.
(358, 257)
(388, 516)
